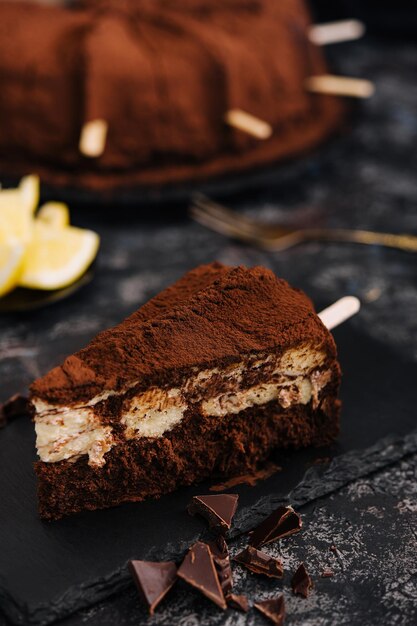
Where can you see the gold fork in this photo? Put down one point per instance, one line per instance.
(229, 223)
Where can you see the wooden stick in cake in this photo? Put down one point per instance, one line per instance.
(339, 311)
(340, 86)
(93, 138)
(336, 32)
(248, 123)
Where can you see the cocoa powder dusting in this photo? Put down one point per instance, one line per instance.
(210, 317)
(199, 44)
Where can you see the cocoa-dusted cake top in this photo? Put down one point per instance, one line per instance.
(213, 315)
(148, 68)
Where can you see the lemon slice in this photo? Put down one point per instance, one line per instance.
(24, 197)
(55, 214)
(57, 257)
(29, 192)
(16, 225)
(11, 262)
(16, 211)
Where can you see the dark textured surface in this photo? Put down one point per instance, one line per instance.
(367, 179)
(162, 528)
(371, 522)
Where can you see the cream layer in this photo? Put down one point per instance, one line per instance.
(68, 432)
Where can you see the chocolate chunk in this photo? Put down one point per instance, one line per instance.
(273, 609)
(301, 582)
(281, 523)
(327, 573)
(219, 549)
(221, 558)
(260, 563)
(240, 603)
(198, 569)
(153, 580)
(218, 510)
(16, 406)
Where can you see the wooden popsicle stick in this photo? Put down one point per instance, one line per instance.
(336, 32)
(93, 138)
(248, 123)
(340, 311)
(340, 86)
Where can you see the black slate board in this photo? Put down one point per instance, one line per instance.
(48, 570)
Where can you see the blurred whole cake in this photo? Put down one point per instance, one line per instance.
(162, 75)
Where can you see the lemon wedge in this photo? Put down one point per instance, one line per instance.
(57, 257)
(24, 197)
(11, 263)
(54, 214)
(42, 251)
(16, 211)
(16, 225)
(29, 188)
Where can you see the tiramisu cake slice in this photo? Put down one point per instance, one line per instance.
(206, 379)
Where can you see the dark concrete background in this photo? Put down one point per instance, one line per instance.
(364, 179)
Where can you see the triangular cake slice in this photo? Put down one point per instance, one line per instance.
(206, 379)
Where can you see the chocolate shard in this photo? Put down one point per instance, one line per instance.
(220, 552)
(301, 582)
(198, 570)
(260, 563)
(281, 523)
(240, 603)
(153, 580)
(327, 572)
(217, 509)
(273, 609)
(16, 406)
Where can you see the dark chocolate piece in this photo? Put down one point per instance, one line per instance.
(220, 552)
(260, 563)
(273, 609)
(16, 406)
(240, 603)
(218, 510)
(199, 571)
(281, 523)
(327, 573)
(153, 580)
(301, 582)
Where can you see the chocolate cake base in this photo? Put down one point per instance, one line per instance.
(196, 449)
